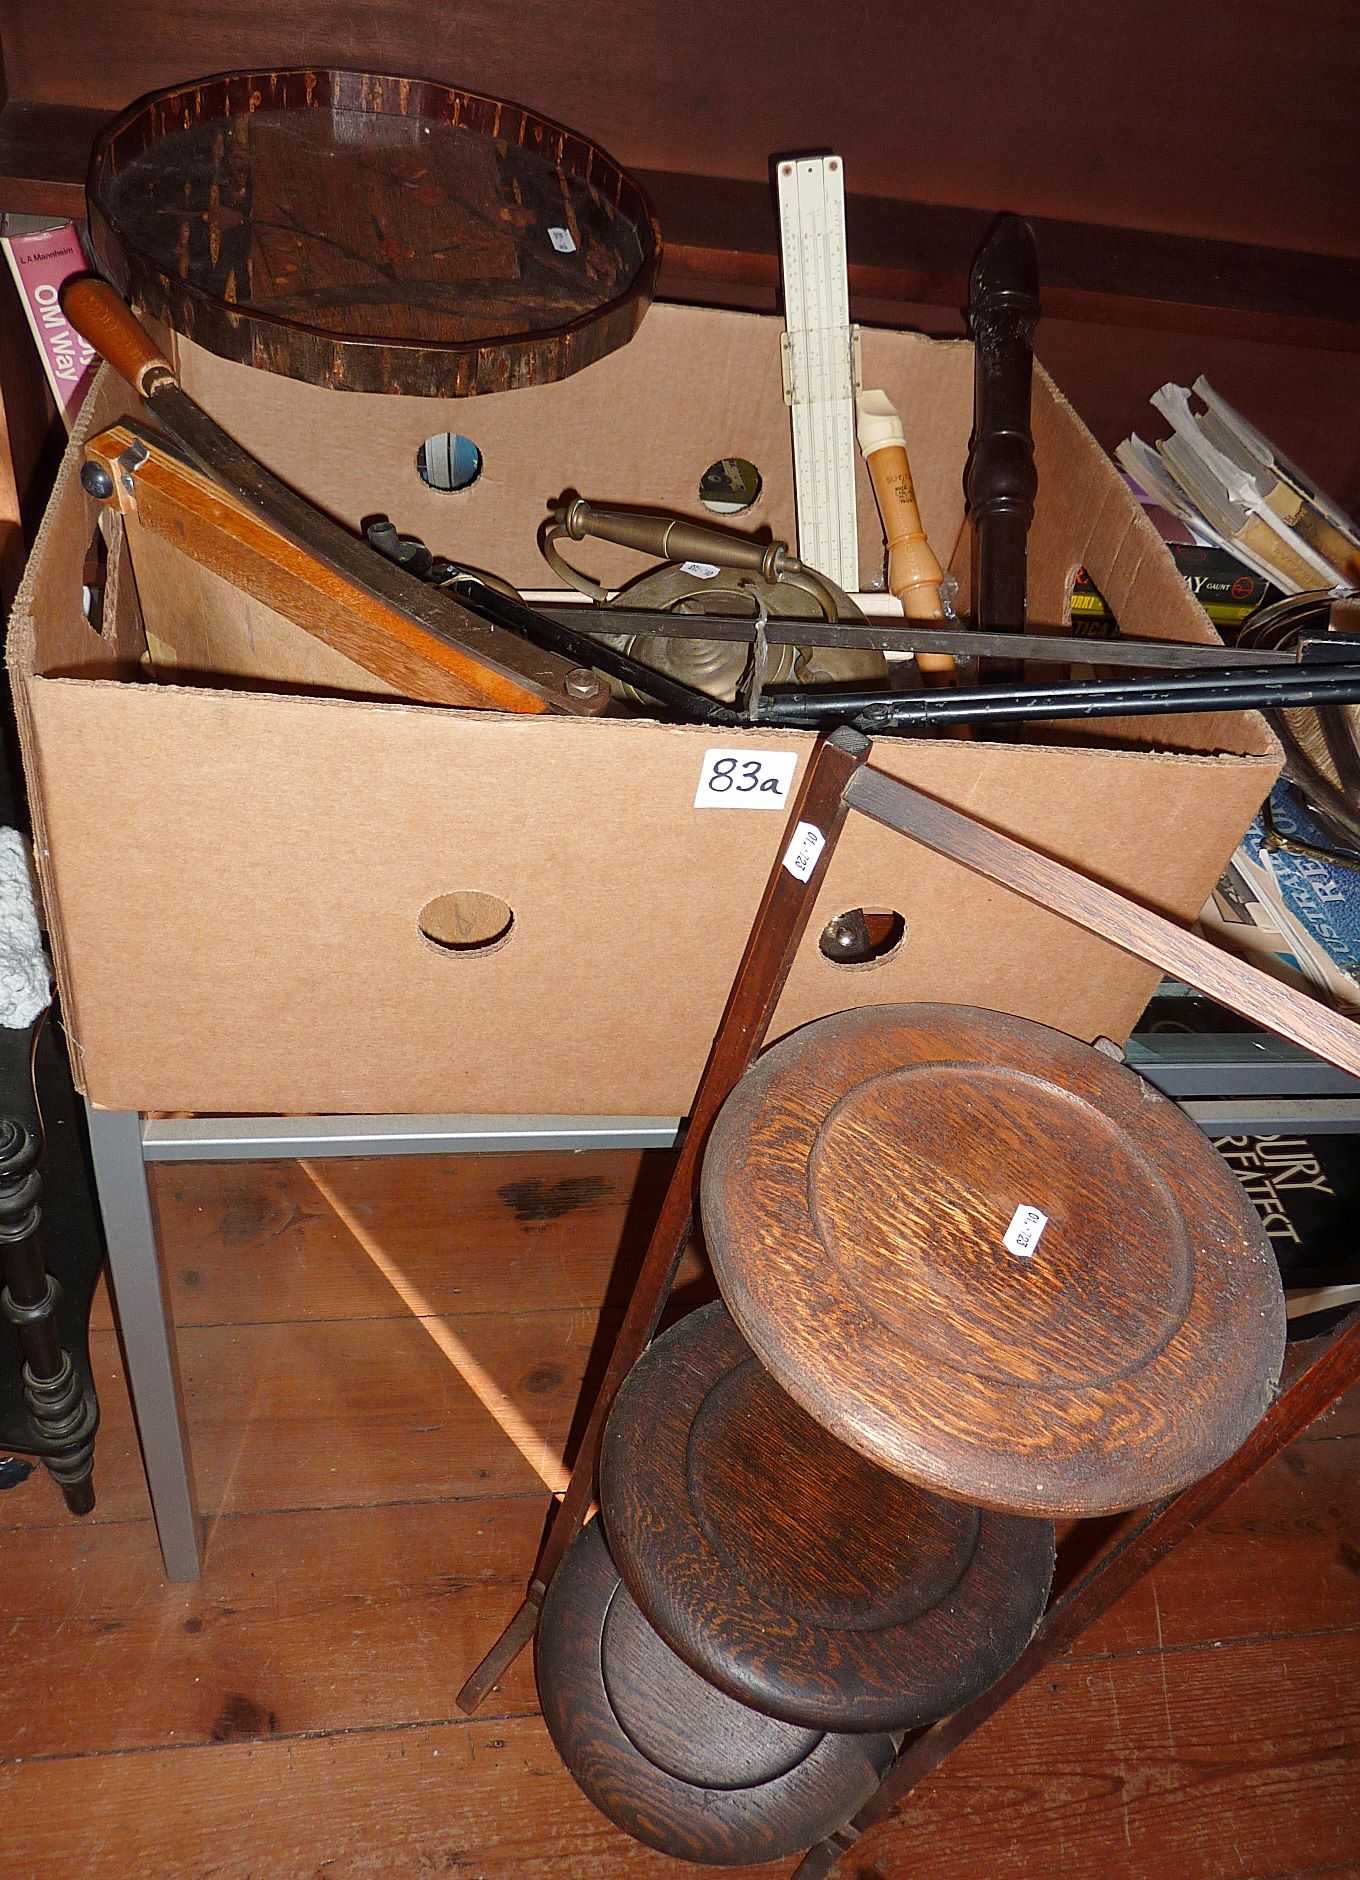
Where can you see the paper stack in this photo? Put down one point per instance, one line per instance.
(1232, 488)
(1288, 908)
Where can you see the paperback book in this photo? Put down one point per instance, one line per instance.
(42, 261)
(1292, 911)
(1229, 484)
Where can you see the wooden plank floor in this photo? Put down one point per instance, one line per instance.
(371, 1524)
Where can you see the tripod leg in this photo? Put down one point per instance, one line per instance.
(779, 925)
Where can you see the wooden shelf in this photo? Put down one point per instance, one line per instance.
(44, 151)
(721, 237)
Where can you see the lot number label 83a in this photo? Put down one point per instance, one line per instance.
(745, 779)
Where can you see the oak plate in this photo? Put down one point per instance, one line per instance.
(992, 1259)
(786, 1568)
(669, 1759)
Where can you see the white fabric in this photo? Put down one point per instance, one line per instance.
(25, 987)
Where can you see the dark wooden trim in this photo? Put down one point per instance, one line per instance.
(722, 244)
(44, 153)
(721, 237)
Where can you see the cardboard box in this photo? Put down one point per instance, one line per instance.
(235, 875)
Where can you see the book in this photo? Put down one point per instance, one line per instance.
(1226, 481)
(1296, 915)
(1227, 590)
(1306, 1190)
(42, 261)
(1285, 489)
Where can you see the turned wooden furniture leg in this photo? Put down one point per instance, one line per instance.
(60, 1404)
(1140, 1544)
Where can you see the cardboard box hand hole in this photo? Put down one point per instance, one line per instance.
(234, 857)
(466, 921)
(863, 936)
(729, 486)
(447, 460)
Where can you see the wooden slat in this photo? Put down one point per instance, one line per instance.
(1242, 1756)
(1343, 1419)
(345, 1619)
(247, 1242)
(474, 1801)
(1239, 1761)
(396, 1421)
(408, 1590)
(1137, 930)
(1283, 1555)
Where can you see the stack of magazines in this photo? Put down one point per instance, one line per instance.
(1287, 907)
(1233, 490)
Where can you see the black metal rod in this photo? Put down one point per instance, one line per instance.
(901, 636)
(1255, 689)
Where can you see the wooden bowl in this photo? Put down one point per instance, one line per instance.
(371, 233)
(992, 1259)
(790, 1571)
(670, 1760)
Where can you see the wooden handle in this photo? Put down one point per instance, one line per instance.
(914, 573)
(104, 319)
(180, 505)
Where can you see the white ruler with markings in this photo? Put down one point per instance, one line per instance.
(820, 356)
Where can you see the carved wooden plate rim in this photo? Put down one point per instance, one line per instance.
(391, 362)
(753, 1824)
(926, 1646)
(1027, 1448)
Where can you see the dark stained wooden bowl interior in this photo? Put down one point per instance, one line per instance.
(371, 233)
(862, 1191)
(789, 1570)
(664, 1755)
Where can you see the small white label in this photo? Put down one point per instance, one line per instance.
(800, 857)
(1022, 1236)
(702, 570)
(745, 779)
(562, 240)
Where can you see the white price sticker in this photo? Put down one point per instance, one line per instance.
(702, 570)
(745, 779)
(562, 240)
(1022, 1236)
(800, 857)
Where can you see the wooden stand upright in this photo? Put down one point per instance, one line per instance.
(836, 782)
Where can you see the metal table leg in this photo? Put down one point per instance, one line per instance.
(140, 1296)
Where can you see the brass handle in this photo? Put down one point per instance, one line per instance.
(671, 538)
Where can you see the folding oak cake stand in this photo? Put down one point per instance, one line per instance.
(838, 781)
